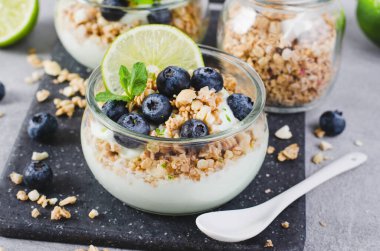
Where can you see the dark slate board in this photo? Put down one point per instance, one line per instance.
(121, 226)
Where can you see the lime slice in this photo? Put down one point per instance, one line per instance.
(368, 14)
(158, 46)
(17, 19)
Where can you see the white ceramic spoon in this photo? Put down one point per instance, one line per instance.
(243, 224)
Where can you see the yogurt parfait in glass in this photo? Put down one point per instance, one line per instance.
(86, 28)
(176, 141)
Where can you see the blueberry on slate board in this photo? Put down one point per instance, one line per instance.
(160, 16)
(207, 76)
(133, 122)
(37, 175)
(156, 108)
(172, 81)
(42, 126)
(113, 14)
(332, 123)
(194, 128)
(2, 91)
(240, 105)
(115, 109)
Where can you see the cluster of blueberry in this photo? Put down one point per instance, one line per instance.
(158, 16)
(156, 108)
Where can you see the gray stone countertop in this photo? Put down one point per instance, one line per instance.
(349, 205)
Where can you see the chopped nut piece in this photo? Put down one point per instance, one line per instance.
(93, 248)
(284, 133)
(93, 213)
(51, 68)
(285, 224)
(16, 178)
(271, 150)
(34, 60)
(52, 201)
(319, 133)
(1, 114)
(358, 143)
(185, 97)
(289, 153)
(58, 212)
(42, 201)
(318, 158)
(39, 156)
(324, 146)
(269, 244)
(268, 190)
(21, 195)
(35, 213)
(42, 95)
(68, 200)
(323, 224)
(34, 195)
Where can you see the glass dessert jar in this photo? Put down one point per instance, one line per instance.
(178, 176)
(294, 45)
(87, 27)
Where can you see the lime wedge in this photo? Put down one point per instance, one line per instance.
(158, 46)
(17, 19)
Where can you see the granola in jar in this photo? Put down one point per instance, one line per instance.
(295, 47)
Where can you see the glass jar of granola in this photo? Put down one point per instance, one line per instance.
(87, 27)
(294, 45)
(166, 174)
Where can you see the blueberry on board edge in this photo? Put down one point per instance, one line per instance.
(115, 109)
(37, 175)
(156, 108)
(172, 81)
(160, 16)
(332, 122)
(111, 14)
(2, 91)
(194, 128)
(240, 105)
(207, 76)
(42, 126)
(133, 122)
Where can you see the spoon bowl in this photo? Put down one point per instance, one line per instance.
(243, 224)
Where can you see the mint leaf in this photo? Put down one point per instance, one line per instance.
(106, 96)
(124, 77)
(138, 79)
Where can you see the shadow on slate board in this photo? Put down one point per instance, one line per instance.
(121, 226)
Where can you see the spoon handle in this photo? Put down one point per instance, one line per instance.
(343, 164)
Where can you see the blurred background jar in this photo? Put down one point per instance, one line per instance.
(294, 45)
(87, 27)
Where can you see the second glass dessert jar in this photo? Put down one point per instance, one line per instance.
(294, 45)
(86, 28)
(178, 176)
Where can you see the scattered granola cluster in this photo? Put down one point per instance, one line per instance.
(295, 62)
(86, 21)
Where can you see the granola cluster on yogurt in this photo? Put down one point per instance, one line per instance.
(196, 111)
(293, 53)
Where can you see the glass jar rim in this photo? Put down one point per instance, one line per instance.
(294, 3)
(258, 107)
(168, 4)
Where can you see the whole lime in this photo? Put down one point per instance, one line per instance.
(368, 14)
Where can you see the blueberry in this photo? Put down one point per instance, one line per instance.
(37, 175)
(172, 81)
(207, 76)
(133, 122)
(2, 91)
(332, 123)
(156, 108)
(160, 16)
(115, 109)
(240, 105)
(112, 14)
(194, 128)
(42, 126)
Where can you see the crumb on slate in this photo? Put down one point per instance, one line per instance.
(289, 153)
(93, 213)
(271, 150)
(58, 212)
(16, 178)
(318, 158)
(21, 195)
(34, 195)
(268, 244)
(319, 133)
(68, 200)
(324, 146)
(35, 213)
(285, 224)
(284, 133)
(40, 156)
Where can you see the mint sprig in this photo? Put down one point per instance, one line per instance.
(133, 83)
